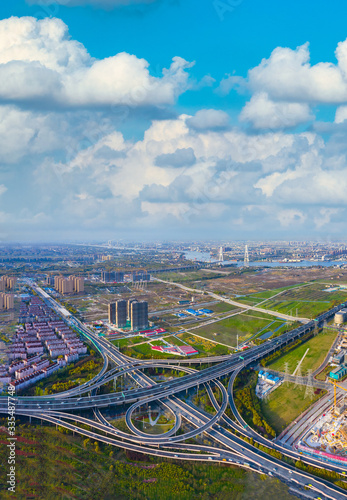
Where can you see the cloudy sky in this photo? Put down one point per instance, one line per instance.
(159, 119)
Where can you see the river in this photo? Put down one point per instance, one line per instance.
(205, 257)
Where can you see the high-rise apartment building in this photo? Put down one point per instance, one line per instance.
(50, 280)
(129, 307)
(112, 313)
(6, 301)
(121, 313)
(79, 284)
(141, 275)
(9, 301)
(112, 276)
(119, 277)
(11, 282)
(69, 285)
(139, 314)
(66, 286)
(7, 282)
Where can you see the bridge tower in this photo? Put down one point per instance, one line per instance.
(220, 255)
(246, 259)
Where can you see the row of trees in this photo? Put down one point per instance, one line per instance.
(248, 404)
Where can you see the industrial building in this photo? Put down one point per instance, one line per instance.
(340, 317)
(338, 373)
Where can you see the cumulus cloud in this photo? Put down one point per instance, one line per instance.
(341, 114)
(263, 113)
(41, 64)
(266, 180)
(287, 75)
(176, 178)
(24, 133)
(285, 87)
(180, 158)
(209, 119)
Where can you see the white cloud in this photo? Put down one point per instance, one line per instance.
(223, 180)
(341, 114)
(24, 133)
(286, 85)
(324, 217)
(263, 113)
(40, 63)
(209, 119)
(290, 217)
(288, 75)
(220, 170)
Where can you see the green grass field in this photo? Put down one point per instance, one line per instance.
(285, 404)
(174, 340)
(245, 325)
(128, 341)
(318, 347)
(307, 300)
(221, 307)
(204, 346)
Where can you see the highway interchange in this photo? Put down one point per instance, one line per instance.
(64, 409)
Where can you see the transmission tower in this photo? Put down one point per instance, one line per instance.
(298, 374)
(246, 259)
(220, 256)
(309, 385)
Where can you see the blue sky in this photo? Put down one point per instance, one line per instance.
(170, 118)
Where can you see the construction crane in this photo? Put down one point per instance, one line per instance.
(336, 385)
